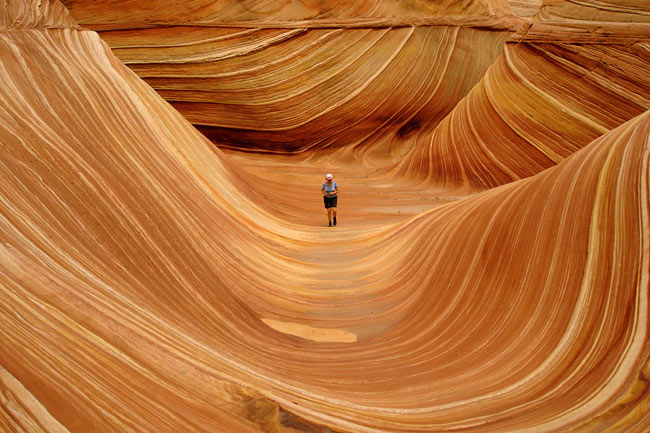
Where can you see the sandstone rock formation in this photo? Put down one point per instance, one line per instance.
(207, 12)
(558, 85)
(635, 11)
(34, 14)
(525, 8)
(150, 282)
(538, 103)
(283, 76)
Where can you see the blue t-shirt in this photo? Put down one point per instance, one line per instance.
(330, 188)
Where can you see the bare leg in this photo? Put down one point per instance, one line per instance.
(333, 213)
(329, 214)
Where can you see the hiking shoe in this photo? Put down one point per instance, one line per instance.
(334, 220)
(330, 224)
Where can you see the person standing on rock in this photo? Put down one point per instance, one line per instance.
(330, 192)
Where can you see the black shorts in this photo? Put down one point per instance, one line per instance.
(330, 201)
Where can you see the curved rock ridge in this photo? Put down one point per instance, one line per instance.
(306, 90)
(377, 91)
(139, 268)
(557, 86)
(536, 105)
(289, 76)
(210, 12)
(66, 138)
(34, 14)
(290, 90)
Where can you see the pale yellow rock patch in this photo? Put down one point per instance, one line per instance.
(323, 335)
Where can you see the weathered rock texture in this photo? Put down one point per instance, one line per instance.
(149, 283)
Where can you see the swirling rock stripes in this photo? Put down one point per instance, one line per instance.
(289, 90)
(58, 167)
(284, 76)
(34, 14)
(536, 105)
(559, 84)
(140, 266)
(540, 323)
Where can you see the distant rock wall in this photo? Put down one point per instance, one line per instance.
(289, 76)
(126, 12)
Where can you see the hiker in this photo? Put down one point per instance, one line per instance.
(330, 191)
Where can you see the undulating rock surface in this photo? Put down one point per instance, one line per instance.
(284, 76)
(557, 86)
(151, 282)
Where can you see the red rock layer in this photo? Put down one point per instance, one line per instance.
(144, 287)
(66, 137)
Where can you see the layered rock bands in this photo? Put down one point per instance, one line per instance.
(150, 281)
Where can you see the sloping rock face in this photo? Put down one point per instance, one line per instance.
(557, 86)
(149, 282)
(284, 76)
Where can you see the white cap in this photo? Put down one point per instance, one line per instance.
(328, 176)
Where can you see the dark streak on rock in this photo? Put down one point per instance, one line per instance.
(291, 420)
